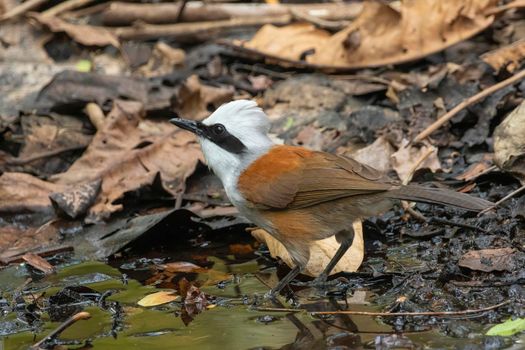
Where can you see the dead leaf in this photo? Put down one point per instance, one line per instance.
(407, 159)
(159, 298)
(23, 192)
(181, 266)
(77, 200)
(320, 252)
(17, 240)
(162, 60)
(127, 153)
(476, 169)
(488, 260)
(81, 33)
(377, 155)
(39, 263)
(509, 56)
(381, 35)
(193, 98)
(509, 143)
(47, 139)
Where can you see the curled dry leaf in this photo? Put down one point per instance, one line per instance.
(81, 33)
(127, 153)
(509, 56)
(193, 98)
(407, 159)
(377, 155)
(162, 60)
(77, 200)
(320, 252)
(509, 143)
(181, 266)
(381, 34)
(159, 298)
(488, 260)
(39, 263)
(23, 192)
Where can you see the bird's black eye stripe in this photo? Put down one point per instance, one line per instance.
(218, 134)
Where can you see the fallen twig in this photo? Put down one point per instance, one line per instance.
(278, 309)
(422, 313)
(457, 224)
(67, 323)
(178, 18)
(193, 30)
(22, 8)
(122, 13)
(46, 154)
(511, 5)
(319, 22)
(466, 103)
(510, 195)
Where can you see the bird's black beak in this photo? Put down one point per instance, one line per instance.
(190, 125)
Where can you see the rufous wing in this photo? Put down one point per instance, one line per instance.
(294, 177)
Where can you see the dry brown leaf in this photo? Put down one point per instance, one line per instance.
(159, 298)
(509, 56)
(77, 200)
(194, 98)
(377, 155)
(23, 192)
(127, 153)
(320, 252)
(39, 263)
(381, 35)
(81, 33)
(476, 169)
(509, 143)
(17, 240)
(408, 159)
(182, 266)
(162, 61)
(488, 260)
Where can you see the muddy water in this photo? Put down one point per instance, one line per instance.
(235, 274)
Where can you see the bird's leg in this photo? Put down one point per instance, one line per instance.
(284, 281)
(323, 276)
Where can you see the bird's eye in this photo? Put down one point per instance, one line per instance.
(218, 129)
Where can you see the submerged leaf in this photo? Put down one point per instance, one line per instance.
(158, 298)
(508, 328)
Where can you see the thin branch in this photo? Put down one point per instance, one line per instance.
(181, 11)
(468, 102)
(67, 323)
(423, 313)
(51, 153)
(22, 8)
(318, 22)
(277, 309)
(510, 195)
(511, 5)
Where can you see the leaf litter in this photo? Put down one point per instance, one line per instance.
(90, 169)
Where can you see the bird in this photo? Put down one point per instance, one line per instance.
(296, 194)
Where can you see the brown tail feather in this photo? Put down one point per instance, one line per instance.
(439, 196)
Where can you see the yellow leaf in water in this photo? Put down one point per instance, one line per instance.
(159, 298)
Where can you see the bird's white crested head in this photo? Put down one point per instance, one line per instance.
(244, 120)
(231, 138)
